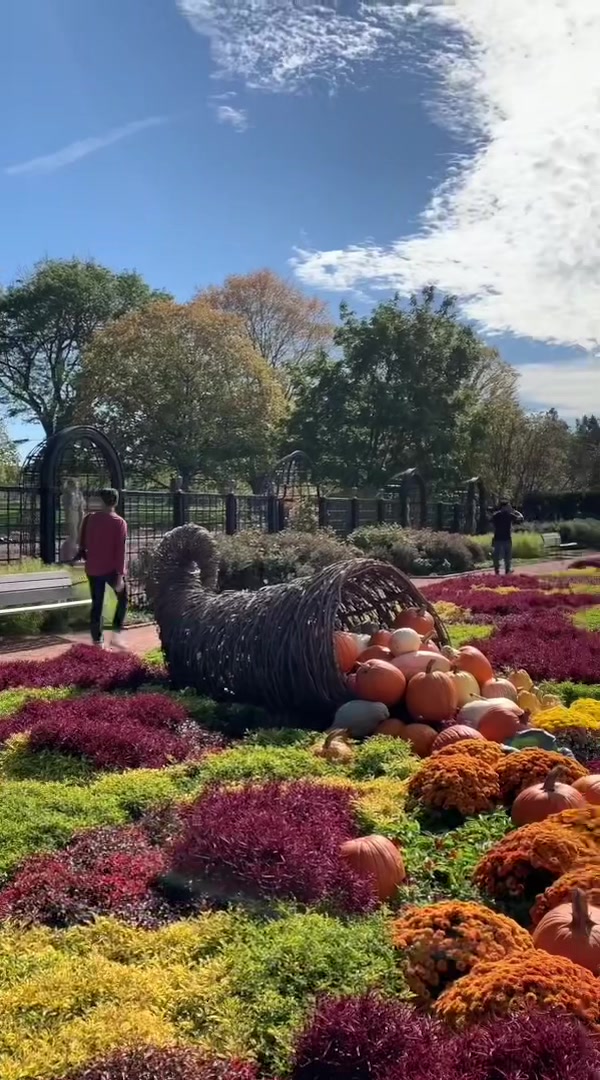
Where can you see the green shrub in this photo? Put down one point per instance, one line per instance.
(569, 692)
(227, 717)
(418, 552)
(382, 756)
(277, 969)
(464, 633)
(526, 545)
(250, 560)
(18, 762)
(263, 763)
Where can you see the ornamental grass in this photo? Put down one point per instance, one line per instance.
(368, 1038)
(440, 943)
(459, 782)
(519, 983)
(533, 1045)
(274, 841)
(585, 875)
(82, 666)
(528, 767)
(526, 861)
(113, 732)
(164, 1063)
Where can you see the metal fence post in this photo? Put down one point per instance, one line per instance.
(381, 511)
(231, 514)
(179, 509)
(354, 514)
(272, 514)
(322, 511)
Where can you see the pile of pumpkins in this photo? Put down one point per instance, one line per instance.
(403, 684)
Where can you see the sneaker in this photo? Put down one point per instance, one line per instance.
(98, 644)
(117, 642)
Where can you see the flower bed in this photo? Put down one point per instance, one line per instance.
(178, 902)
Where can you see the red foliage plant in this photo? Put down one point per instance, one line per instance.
(550, 647)
(106, 871)
(533, 1044)
(82, 666)
(368, 1038)
(276, 840)
(141, 731)
(164, 1063)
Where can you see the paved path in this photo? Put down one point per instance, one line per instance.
(141, 639)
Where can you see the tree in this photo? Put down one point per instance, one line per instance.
(9, 457)
(584, 462)
(285, 326)
(179, 387)
(519, 453)
(396, 398)
(46, 320)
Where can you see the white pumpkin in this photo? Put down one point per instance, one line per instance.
(405, 641)
(360, 718)
(472, 713)
(412, 663)
(499, 688)
(466, 685)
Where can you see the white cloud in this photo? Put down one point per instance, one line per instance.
(282, 45)
(514, 231)
(237, 118)
(571, 386)
(49, 163)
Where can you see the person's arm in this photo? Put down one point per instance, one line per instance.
(119, 552)
(517, 517)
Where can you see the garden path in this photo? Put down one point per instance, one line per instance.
(141, 639)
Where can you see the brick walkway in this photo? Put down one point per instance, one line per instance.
(141, 639)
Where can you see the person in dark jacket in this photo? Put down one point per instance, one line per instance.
(503, 520)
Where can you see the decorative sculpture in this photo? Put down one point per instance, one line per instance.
(273, 647)
(73, 512)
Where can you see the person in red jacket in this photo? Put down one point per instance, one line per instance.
(102, 543)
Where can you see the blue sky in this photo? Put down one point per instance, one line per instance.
(362, 148)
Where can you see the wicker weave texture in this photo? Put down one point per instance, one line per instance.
(273, 647)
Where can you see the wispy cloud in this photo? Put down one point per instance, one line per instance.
(570, 386)
(237, 118)
(515, 229)
(75, 151)
(282, 46)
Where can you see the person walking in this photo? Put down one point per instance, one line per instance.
(102, 543)
(503, 520)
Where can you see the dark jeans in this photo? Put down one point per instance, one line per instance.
(97, 590)
(502, 551)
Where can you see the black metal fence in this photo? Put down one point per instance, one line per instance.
(25, 513)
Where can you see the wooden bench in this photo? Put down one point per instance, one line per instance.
(37, 591)
(552, 544)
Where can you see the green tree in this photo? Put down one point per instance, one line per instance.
(584, 459)
(179, 387)
(396, 397)
(9, 457)
(47, 318)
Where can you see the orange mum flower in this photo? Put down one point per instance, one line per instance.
(522, 981)
(458, 783)
(527, 861)
(441, 942)
(488, 752)
(527, 767)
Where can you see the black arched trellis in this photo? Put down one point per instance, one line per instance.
(400, 486)
(293, 477)
(476, 506)
(46, 464)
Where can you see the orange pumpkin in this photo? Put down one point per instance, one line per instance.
(377, 858)
(431, 695)
(455, 734)
(395, 728)
(430, 646)
(473, 712)
(589, 787)
(421, 737)
(381, 637)
(413, 663)
(375, 652)
(572, 930)
(538, 802)
(376, 680)
(499, 688)
(347, 648)
(472, 660)
(419, 619)
(499, 724)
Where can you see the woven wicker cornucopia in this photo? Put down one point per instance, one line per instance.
(273, 647)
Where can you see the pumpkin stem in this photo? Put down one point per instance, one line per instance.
(337, 733)
(429, 667)
(426, 637)
(581, 922)
(552, 777)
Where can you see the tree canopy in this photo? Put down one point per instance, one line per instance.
(47, 318)
(180, 386)
(284, 325)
